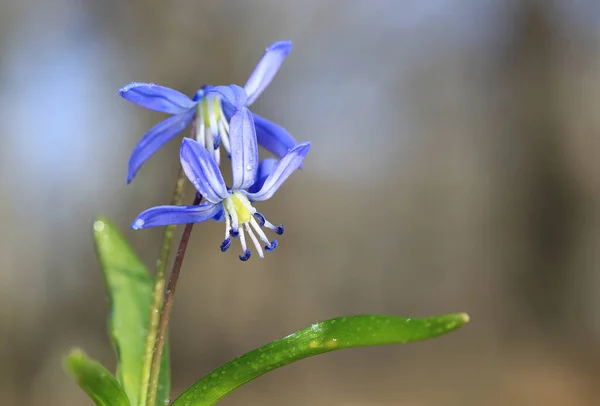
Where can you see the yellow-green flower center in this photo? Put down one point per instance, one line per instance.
(211, 126)
(240, 222)
(215, 108)
(241, 206)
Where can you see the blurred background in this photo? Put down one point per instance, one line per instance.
(454, 167)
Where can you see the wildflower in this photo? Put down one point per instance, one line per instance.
(211, 116)
(252, 182)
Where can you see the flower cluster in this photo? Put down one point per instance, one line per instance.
(220, 116)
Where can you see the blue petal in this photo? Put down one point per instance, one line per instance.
(232, 94)
(273, 137)
(155, 97)
(156, 138)
(166, 215)
(228, 110)
(288, 164)
(244, 150)
(266, 69)
(202, 170)
(265, 168)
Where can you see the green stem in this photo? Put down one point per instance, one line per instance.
(158, 292)
(166, 311)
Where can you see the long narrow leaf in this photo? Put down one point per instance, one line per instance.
(129, 288)
(330, 335)
(95, 380)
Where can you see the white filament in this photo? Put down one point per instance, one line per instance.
(243, 240)
(227, 225)
(259, 231)
(231, 211)
(200, 125)
(254, 240)
(212, 119)
(271, 226)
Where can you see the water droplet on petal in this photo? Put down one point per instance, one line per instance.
(248, 167)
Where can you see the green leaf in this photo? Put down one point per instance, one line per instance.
(330, 335)
(129, 288)
(95, 380)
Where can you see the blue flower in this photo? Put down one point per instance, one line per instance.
(209, 115)
(252, 182)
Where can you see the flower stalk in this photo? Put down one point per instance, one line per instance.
(158, 290)
(166, 311)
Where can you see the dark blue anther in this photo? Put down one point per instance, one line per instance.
(234, 233)
(199, 94)
(229, 155)
(225, 244)
(261, 219)
(246, 255)
(271, 246)
(280, 230)
(217, 142)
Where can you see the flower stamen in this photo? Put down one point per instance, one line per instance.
(246, 203)
(270, 245)
(260, 218)
(278, 229)
(227, 225)
(212, 128)
(242, 218)
(230, 210)
(210, 141)
(225, 244)
(259, 231)
(200, 131)
(254, 240)
(246, 255)
(212, 102)
(227, 241)
(247, 252)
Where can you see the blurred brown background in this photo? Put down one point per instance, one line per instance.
(454, 168)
